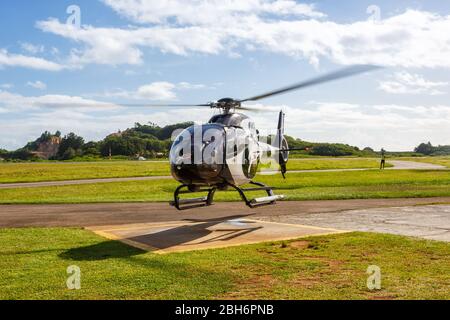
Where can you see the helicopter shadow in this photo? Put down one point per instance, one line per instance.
(187, 234)
(182, 235)
(110, 249)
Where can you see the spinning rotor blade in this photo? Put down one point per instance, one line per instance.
(250, 109)
(100, 104)
(143, 105)
(221, 104)
(343, 73)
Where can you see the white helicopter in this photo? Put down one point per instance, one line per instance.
(227, 151)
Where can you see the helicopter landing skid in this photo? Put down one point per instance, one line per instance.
(184, 204)
(258, 202)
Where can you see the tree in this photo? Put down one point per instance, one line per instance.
(333, 150)
(69, 154)
(425, 148)
(70, 141)
(21, 154)
(91, 149)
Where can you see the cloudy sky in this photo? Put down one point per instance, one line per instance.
(63, 64)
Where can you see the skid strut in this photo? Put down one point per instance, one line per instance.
(184, 204)
(258, 202)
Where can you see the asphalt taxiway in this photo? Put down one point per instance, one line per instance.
(159, 227)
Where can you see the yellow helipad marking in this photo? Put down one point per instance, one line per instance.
(132, 243)
(300, 225)
(138, 226)
(180, 236)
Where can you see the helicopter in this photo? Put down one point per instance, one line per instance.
(227, 151)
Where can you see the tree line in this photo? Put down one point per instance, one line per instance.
(151, 140)
(430, 150)
(147, 141)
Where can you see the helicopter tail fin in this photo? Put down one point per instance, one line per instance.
(282, 145)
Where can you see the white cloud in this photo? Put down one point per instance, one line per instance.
(393, 127)
(31, 48)
(207, 12)
(37, 85)
(157, 91)
(190, 86)
(407, 83)
(91, 123)
(54, 51)
(410, 39)
(6, 86)
(17, 60)
(12, 103)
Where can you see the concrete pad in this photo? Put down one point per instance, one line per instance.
(196, 235)
(428, 222)
(413, 165)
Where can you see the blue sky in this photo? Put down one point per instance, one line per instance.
(128, 51)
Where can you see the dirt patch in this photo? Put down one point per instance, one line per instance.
(332, 264)
(259, 286)
(299, 244)
(251, 288)
(306, 282)
(381, 296)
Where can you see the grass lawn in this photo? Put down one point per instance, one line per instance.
(33, 265)
(298, 186)
(34, 172)
(57, 171)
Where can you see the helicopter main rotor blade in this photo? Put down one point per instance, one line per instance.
(143, 105)
(112, 104)
(255, 109)
(343, 73)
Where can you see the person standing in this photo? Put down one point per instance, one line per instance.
(383, 159)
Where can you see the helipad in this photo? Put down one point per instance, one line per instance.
(196, 235)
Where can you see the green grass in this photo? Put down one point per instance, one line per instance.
(33, 265)
(58, 171)
(443, 161)
(298, 186)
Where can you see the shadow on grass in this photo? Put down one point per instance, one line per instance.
(101, 251)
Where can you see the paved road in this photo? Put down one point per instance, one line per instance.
(83, 215)
(77, 182)
(398, 165)
(429, 222)
(412, 165)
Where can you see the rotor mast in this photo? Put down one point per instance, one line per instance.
(226, 105)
